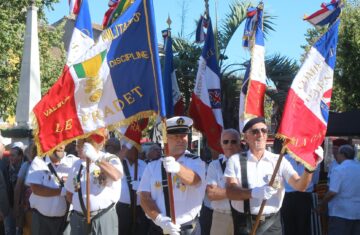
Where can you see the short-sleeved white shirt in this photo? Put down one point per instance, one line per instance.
(187, 198)
(344, 182)
(125, 196)
(102, 194)
(215, 176)
(39, 173)
(259, 173)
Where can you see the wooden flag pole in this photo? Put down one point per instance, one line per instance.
(136, 167)
(88, 190)
(169, 180)
(272, 180)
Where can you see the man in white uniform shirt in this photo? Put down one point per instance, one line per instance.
(259, 167)
(105, 186)
(343, 197)
(188, 179)
(132, 219)
(222, 221)
(46, 178)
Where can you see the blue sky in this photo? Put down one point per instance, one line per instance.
(286, 40)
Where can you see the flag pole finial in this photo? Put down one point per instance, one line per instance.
(168, 21)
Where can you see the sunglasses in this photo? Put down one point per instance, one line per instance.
(225, 142)
(258, 131)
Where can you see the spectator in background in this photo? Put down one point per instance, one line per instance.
(22, 194)
(15, 161)
(153, 152)
(297, 206)
(113, 146)
(343, 197)
(4, 201)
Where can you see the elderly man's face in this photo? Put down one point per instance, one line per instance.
(60, 151)
(230, 143)
(15, 156)
(256, 137)
(177, 144)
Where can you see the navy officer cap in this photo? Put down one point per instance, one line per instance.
(178, 125)
(252, 122)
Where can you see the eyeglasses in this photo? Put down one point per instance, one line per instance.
(258, 131)
(225, 142)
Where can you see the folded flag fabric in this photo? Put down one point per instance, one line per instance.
(114, 83)
(328, 13)
(252, 94)
(205, 106)
(306, 111)
(173, 98)
(116, 8)
(74, 6)
(82, 37)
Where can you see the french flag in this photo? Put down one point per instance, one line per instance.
(205, 106)
(173, 99)
(306, 111)
(82, 37)
(253, 91)
(328, 13)
(74, 6)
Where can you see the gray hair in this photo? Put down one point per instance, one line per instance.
(231, 131)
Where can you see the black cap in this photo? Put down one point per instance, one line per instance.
(252, 122)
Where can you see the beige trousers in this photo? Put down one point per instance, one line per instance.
(222, 224)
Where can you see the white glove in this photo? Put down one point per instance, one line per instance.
(90, 152)
(171, 165)
(167, 226)
(263, 193)
(320, 153)
(135, 184)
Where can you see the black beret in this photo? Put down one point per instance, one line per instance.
(252, 122)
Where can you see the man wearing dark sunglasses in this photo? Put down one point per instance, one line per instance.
(222, 222)
(256, 170)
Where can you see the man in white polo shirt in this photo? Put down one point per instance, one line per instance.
(105, 171)
(46, 178)
(222, 221)
(259, 166)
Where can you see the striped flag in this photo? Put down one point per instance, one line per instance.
(254, 85)
(205, 106)
(306, 111)
(116, 8)
(328, 13)
(200, 34)
(74, 6)
(82, 37)
(114, 83)
(173, 98)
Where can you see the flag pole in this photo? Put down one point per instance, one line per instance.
(169, 180)
(88, 190)
(272, 180)
(136, 167)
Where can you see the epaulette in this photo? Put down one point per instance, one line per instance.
(192, 156)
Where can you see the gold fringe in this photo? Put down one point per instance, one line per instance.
(128, 121)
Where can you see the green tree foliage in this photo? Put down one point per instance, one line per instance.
(12, 24)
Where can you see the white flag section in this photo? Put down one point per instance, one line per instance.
(82, 38)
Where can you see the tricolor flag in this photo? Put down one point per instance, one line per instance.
(116, 8)
(205, 106)
(173, 98)
(131, 135)
(116, 82)
(306, 111)
(327, 15)
(200, 34)
(253, 91)
(82, 37)
(74, 6)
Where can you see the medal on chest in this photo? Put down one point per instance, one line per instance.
(178, 184)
